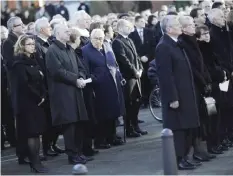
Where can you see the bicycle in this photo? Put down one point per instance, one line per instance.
(155, 104)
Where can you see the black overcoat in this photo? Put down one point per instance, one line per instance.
(129, 63)
(109, 100)
(28, 89)
(176, 84)
(66, 99)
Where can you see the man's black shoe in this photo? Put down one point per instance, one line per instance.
(87, 158)
(50, 152)
(57, 149)
(22, 161)
(76, 160)
(141, 121)
(184, 165)
(201, 158)
(132, 134)
(215, 151)
(142, 132)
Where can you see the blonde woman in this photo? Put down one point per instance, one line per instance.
(29, 94)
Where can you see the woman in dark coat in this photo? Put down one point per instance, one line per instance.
(106, 82)
(29, 94)
(217, 73)
(152, 21)
(88, 95)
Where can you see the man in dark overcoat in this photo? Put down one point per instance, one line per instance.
(179, 106)
(223, 48)
(202, 82)
(49, 138)
(16, 28)
(131, 69)
(65, 83)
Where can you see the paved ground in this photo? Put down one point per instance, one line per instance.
(141, 156)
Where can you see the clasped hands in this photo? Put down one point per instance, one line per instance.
(80, 83)
(138, 74)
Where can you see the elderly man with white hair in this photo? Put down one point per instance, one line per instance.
(81, 21)
(107, 83)
(202, 82)
(223, 48)
(43, 34)
(65, 84)
(179, 107)
(131, 69)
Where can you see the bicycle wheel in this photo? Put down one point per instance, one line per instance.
(155, 104)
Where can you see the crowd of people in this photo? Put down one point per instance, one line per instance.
(76, 77)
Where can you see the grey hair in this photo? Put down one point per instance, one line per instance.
(166, 22)
(183, 20)
(10, 23)
(57, 28)
(40, 23)
(79, 15)
(56, 21)
(121, 23)
(96, 32)
(212, 14)
(3, 28)
(29, 25)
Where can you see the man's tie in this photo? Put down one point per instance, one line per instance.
(141, 35)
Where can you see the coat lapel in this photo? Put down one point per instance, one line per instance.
(129, 44)
(72, 58)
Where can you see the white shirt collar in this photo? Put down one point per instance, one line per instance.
(45, 40)
(139, 30)
(175, 39)
(108, 40)
(125, 36)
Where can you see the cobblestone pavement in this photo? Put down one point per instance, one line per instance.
(139, 156)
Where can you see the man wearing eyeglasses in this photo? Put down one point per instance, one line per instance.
(16, 28)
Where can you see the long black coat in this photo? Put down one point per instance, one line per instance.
(27, 92)
(66, 100)
(157, 33)
(129, 63)
(200, 73)
(176, 84)
(214, 67)
(8, 50)
(109, 100)
(41, 49)
(222, 46)
(88, 92)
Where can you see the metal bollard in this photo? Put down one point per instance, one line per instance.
(169, 155)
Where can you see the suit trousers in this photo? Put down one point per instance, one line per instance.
(73, 138)
(51, 135)
(131, 117)
(182, 141)
(106, 130)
